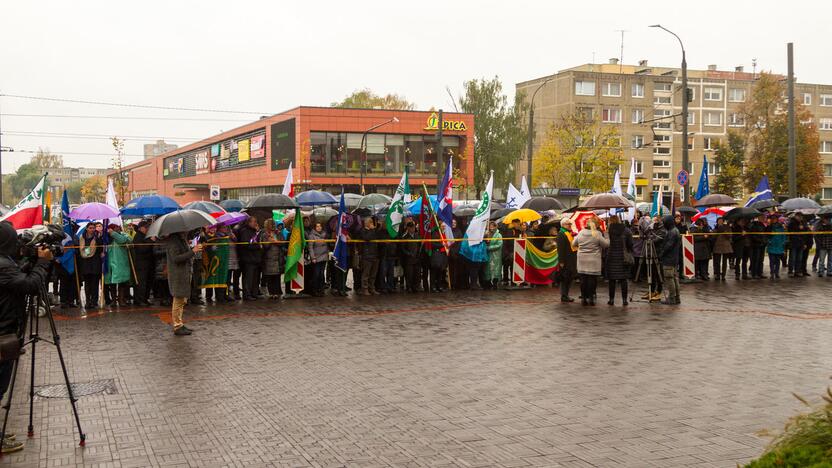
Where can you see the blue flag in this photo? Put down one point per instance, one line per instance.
(68, 258)
(340, 251)
(762, 192)
(704, 186)
(444, 195)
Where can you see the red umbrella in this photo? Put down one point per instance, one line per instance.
(210, 208)
(579, 219)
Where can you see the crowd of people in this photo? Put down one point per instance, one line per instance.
(131, 268)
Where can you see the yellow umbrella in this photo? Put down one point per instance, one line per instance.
(525, 215)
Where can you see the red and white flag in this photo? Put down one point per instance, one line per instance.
(29, 211)
(289, 184)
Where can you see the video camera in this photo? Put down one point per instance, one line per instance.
(50, 236)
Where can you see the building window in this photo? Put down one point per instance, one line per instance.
(662, 87)
(586, 113)
(690, 144)
(736, 95)
(827, 194)
(664, 115)
(736, 120)
(713, 169)
(661, 150)
(713, 119)
(713, 94)
(639, 168)
(662, 139)
(826, 100)
(611, 115)
(826, 147)
(661, 175)
(807, 99)
(611, 89)
(825, 124)
(691, 94)
(709, 143)
(639, 192)
(661, 99)
(585, 88)
(638, 116)
(827, 170)
(638, 90)
(691, 118)
(637, 141)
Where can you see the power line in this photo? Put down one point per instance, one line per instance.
(79, 154)
(84, 136)
(64, 116)
(142, 106)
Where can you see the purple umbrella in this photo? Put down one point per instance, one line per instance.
(231, 218)
(94, 210)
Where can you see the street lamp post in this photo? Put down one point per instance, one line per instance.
(364, 148)
(685, 165)
(530, 138)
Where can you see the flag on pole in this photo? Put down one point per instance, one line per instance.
(340, 251)
(297, 242)
(616, 188)
(704, 187)
(476, 229)
(445, 195)
(47, 208)
(762, 192)
(29, 211)
(524, 189)
(656, 209)
(67, 259)
(215, 263)
(289, 183)
(631, 181)
(515, 198)
(425, 222)
(112, 201)
(395, 213)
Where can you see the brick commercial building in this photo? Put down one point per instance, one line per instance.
(627, 95)
(324, 147)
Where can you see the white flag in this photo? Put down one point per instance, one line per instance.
(395, 213)
(631, 182)
(476, 229)
(524, 189)
(616, 182)
(112, 201)
(289, 183)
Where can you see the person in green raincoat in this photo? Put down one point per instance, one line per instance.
(117, 278)
(494, 268)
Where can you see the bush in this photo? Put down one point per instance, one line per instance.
(797, 457)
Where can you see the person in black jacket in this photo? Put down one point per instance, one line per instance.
(797, 245)
(144, 262)
(758, 243)
(741, 244)
(369, 258)
(410, 256)
(669, 258)
(617, 269)
(250, 255)
(567, 259)
(15, 285)
(90, 251)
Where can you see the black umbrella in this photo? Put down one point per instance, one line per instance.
(271, 201)
(543, 204)
(765, 204)
(794, 204)
(825, 210)
(464, 211)
(179, 221)
(232, 205)
(742, 212)
(687, 210)
(716, 199)
(497, 214)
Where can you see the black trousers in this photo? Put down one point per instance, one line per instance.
(741, 256)
(273, 284)
(438, 280)
(91, 285)
(196, 280)
(566, 279)
(720, 265)
(758, 254)
(589, 285)
(701, 268)
(233, 283)
(623, 283)
(145, 276)
(6, 368)
(68, 291)
(411, 282)
(251, 279)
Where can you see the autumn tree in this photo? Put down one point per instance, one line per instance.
(499, 131)
(766, 140)
(22, 181)
(578, 152)
(728, 158)
(73, 191)
(94, 189)
(120, 177)
(367, 99)
(46, 160)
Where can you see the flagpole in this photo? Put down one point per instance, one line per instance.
(435, 220)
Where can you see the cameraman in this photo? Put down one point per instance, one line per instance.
(15, 285)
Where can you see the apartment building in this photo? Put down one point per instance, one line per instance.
(645, 102)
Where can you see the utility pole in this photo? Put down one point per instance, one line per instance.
(792, 144)
(440, 151)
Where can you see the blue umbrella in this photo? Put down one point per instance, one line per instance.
(149, 205)
(232, 205)
(315, 197)
(415, 207)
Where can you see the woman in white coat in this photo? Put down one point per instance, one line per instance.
(590, 243)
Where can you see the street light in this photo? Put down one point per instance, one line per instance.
(686, 188)
(364, 148)
(531, 130)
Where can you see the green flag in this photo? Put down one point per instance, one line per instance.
(215, 263)
(395, 213)
(297, 242)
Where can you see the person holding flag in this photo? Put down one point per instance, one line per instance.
(341, 250)
(67, 272)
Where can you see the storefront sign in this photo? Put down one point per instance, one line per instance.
(201, 162)
(258, 146)
(452, 125)
(176, 166)
(243, 154)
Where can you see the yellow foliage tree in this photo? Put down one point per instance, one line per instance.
(94, 189)
(578, 152)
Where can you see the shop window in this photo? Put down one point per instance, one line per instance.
(318, 151)
(394, 154)
(375, 154)
(353, 160)
(414, 151)
(336, 153)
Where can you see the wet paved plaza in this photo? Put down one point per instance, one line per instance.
(473, 378)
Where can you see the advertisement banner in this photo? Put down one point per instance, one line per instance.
(201, 162)
(258, 146)
(243, 153)
(215, 150)
(225, 152)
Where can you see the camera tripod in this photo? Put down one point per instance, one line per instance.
(649, 260)
(34, 302)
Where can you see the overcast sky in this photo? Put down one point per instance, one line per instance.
(269, 56)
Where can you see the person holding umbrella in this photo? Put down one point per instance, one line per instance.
(567, 259)
(144, 261)
(90, 250)
(590, 243)
(180, 257)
